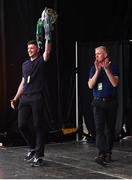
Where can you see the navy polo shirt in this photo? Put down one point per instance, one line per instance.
(33, 73)
(103, 87)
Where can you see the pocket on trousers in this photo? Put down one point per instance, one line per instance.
(98, 103)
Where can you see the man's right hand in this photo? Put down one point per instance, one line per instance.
(13, 103)
(97, 65)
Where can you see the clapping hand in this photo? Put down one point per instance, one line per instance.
(97, 65)
(106, 63)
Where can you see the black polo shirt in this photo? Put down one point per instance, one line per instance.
(103, 87)
(33, 73)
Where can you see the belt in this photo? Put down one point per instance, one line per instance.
(104, 98)
(31, 94)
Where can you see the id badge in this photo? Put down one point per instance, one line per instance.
(100, 86)
(28, 79)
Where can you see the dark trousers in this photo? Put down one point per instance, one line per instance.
(105, 120)
(31, 122)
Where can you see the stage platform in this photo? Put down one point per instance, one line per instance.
(68, 160)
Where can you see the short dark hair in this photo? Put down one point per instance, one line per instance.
(33, 41)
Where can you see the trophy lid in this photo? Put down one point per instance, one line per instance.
(51, 13)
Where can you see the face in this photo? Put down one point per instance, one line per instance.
(32, 51)
(100, 54)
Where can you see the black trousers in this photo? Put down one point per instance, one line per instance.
(105, 120)
(31, 122)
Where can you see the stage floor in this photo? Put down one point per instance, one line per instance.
(69, 160)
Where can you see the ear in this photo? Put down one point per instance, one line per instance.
(106, 55)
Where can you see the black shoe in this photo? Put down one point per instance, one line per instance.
(37, 162)
(30, 156)
(100, 160)
(108, 158)
(90, 138)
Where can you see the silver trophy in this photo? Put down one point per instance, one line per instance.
(49, 16)
(45, 26)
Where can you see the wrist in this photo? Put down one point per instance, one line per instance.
(106, 69)
(15, 99)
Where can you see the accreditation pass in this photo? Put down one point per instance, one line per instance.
(28, 79)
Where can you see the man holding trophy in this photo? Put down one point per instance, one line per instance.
(31, 122)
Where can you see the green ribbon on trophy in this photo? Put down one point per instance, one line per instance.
(45, 26)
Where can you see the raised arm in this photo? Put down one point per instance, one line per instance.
(113, 79)
(48, 18)
(47, 51)
(92, 81)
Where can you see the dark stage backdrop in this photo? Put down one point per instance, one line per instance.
(77, 21)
